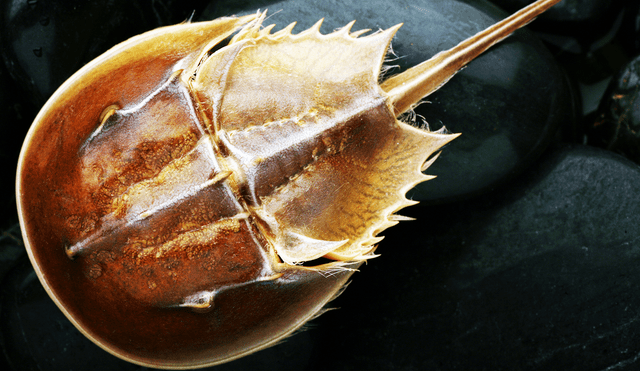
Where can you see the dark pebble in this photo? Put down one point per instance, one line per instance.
(37, 336)
(617, 125)
(567, 10)
(576, 26)
(45, 42)
(11, 249)
(633, 28)
(542, 275)
(17, 114)
(591, 40)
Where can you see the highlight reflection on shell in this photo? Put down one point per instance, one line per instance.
(175, 192)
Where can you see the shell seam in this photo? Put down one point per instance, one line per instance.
(296, 119)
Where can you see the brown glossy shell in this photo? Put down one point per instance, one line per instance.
(173, 179)
(170, 189)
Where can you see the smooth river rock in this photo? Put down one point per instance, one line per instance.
(45, 42)
(617, 124)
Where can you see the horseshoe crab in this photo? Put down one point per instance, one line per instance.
(176, 194)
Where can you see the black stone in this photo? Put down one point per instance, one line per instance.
(45, 42)
(11, 249)
(575, 25)
(617, 125)
(35, 335)
(539, 275)
(508, 103)
(567, 10)
(17, 114)
(634, 27)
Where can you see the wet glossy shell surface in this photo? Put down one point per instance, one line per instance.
(170, 188)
